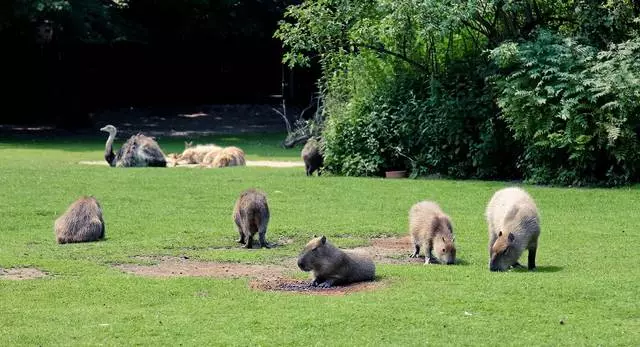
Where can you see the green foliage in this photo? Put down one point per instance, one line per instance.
(574, 109)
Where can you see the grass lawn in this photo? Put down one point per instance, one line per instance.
(588, 258)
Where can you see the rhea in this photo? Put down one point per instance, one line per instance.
(138, 151)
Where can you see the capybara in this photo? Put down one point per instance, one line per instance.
(196, 154)
(251, 215)
(313, 155)
(330, 265)
(431, 229)
(229, 156)
(82, 222)
(514, 225)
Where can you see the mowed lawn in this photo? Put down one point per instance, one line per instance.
(588, 276)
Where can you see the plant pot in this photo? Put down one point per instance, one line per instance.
(395, 174)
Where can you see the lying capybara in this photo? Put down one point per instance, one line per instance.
(228, 156)
(313, 155)
(431, 229)
(82, 222)
(251, 215)
(196, 154)
(514, 225)
(330, 265)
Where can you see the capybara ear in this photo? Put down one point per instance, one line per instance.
(511, 237)
(323, 239)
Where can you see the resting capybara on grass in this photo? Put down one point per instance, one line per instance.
(228, 156)
(82, 222)
(431, 229)
(313, 155)
(330, 265)
(514, 225)
(196, 154)
(251, 215)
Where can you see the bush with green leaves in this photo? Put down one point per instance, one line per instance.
(575, 109)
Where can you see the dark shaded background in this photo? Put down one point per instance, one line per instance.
(150, 54)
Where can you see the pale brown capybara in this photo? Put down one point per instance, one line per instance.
(82, 222)
(330, 265)
(313, 155)
(228, 156)
(431, 229)
(251, 215)
(514, 225)
(196, 154)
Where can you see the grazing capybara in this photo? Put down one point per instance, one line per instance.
(313, 155)
(330, 265)
(431, 229)
(514, 225)
(228, 156)
(82, 222)
(251, 215)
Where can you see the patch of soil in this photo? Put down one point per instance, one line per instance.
(302, 286)
(390, 250)
(25, 273)
(183, 266)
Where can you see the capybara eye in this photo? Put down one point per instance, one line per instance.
(443, 250)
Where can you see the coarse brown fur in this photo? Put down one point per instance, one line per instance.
(229, 156)
(514, 225)
(196, 154)
(313, 155)
(82, 222)
(431, 229)
(330, 265)
(251, 215)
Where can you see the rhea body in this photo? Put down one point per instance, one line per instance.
(138, 151)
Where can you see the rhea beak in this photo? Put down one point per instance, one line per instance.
(103, 129)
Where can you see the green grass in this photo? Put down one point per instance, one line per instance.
(588, 258)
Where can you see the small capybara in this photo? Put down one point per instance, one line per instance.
(313, 155)
(196, 154)
(330, 265)
(82, 222)
(514, 225)
(431, 228)
(251, 215)
(229, 156)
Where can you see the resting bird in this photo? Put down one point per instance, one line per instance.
(138, 151)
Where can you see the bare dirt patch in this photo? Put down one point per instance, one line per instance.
(25, 273)
(390, 250)
(183, 267)
(302, 286)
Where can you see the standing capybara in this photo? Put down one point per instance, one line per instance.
(431, 228)
(514, 225)
(228, 156)
(251, 215)
(313, 155)
(330, 265)
(82, 222)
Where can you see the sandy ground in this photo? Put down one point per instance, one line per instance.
(266, 163)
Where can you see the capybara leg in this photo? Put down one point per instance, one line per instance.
(532, 258)
(416, 252)
(429, 259)
(517, 265)
(326, 284)
(307, 169)
(316, 281)
(249, 243)
(241, 239)
(263, 242)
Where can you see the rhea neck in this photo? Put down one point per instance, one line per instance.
(109, 156)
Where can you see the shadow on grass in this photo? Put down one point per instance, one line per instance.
(542, 269)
